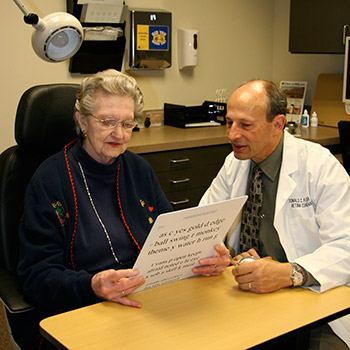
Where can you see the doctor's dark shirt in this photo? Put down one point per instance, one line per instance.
(269, 242)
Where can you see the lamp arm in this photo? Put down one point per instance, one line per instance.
(21, 7)
(39, 24)
(30, 18)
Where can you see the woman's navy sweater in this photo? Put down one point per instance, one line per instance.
(49, 268)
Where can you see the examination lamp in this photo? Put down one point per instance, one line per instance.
(57, 36)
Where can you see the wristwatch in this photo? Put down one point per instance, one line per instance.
(297, 275)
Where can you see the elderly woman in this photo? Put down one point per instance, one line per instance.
(89, 208)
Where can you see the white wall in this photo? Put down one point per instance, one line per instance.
(238, 40)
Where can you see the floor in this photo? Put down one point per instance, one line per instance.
(6, 342)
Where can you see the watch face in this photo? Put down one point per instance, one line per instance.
(297, 278)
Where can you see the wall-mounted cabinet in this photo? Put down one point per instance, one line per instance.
(104, 37)
(316, 26)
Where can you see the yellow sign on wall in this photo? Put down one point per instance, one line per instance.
(142, 37)
(152, 37)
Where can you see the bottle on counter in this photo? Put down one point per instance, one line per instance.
(314, 119)
(305, 119)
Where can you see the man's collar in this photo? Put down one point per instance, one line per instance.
(272, 163)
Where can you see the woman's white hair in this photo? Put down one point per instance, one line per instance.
(109, 81)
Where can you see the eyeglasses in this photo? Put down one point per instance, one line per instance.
(112, 123)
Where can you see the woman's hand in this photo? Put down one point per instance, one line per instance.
(215, 265)
(115, 285)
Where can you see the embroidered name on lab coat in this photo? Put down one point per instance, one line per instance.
(302, 202)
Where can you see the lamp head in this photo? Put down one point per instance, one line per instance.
(57, 36)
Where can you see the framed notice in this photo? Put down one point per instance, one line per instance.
(295, 92)
(179, 239)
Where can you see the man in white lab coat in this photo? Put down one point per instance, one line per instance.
(305, 216)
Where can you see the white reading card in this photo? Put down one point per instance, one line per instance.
(180, 238)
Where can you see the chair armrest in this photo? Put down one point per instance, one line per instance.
(11, 294)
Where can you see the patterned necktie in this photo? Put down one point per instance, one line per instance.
(250, 217)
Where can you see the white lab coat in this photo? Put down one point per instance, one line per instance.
(312, 213)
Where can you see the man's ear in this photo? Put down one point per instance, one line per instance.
(81, 121)
(279, 122)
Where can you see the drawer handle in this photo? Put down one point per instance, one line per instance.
(175, 182)
(184, 201)
(176, 161)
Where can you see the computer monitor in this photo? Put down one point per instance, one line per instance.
(346, 79)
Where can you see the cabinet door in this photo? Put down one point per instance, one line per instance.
(316, 26)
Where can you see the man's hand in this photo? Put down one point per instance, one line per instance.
(263, 275)
(250, 252)
(215, 265)
(115, 285)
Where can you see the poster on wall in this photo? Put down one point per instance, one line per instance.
(152, 37)
(295, 92)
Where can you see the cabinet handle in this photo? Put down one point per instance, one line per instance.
(184, 201)
(174, 182)
(183, 160)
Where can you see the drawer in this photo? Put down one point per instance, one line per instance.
(185, 199)
(183, 179)
(185, 175)
(187, 158)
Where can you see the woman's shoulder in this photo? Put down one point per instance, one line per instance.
(52, 161)
(49, 169)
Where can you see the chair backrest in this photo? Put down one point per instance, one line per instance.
(44, 124)
(344, 136)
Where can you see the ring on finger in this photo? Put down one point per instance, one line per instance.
(216, 267)
(249, 285)
(123, 293)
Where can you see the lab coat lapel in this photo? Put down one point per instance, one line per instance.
(286, 184)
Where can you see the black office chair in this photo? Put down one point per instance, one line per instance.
(344, 136)
(44, 124)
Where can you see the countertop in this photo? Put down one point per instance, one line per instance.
(167, 138)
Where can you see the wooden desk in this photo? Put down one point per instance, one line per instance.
(196, 313)
(324, 135)
(166, 138)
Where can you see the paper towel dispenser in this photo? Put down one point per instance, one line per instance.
(150, 39)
